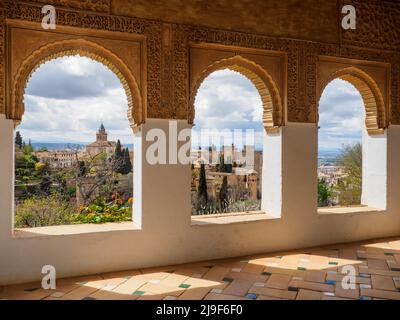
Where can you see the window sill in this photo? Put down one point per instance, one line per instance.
(231, 218)
(74, 230)
(351, 210)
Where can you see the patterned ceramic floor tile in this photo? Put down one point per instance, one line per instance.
(314, 274)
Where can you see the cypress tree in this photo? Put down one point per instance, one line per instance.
(18, 139)
(29, 148)
(228, 167)
(118, 158)
(221, 165)
(223, 195)
(118, 150)
(202, 196)
(127, 162)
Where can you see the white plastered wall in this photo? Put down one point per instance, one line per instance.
(167, 236)
(272, 174)
(374, 169)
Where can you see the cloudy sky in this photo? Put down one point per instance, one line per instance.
(341, 116)
(67, 98)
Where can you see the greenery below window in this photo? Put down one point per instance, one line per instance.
(91, 189)
(347, 189)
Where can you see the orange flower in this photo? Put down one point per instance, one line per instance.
(130, 200)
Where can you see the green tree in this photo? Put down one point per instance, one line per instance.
(202, 196)
(117, 159)
(223, 196)
(27, 148)
(18, 139)
(324, 193)
(349, 188)
(127, 162)
(118, 150)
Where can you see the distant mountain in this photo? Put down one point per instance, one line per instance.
(328, 156)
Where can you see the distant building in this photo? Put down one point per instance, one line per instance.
(331, 174)
(101, 145)
(244, 181)
(57, 159)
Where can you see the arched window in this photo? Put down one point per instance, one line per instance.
(74, 154)
(351, 149)
(227, 145)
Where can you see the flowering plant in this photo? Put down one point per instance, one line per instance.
(103, 210)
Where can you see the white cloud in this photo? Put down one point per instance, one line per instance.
(228, 100)
(78, 66)
(341, 115)
(51, 118)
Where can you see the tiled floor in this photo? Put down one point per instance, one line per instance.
(313, 274)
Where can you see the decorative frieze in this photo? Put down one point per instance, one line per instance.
(168, 47)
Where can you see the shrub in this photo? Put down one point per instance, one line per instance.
(102, 211)
(42, 212)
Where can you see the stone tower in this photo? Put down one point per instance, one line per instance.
(102, 134)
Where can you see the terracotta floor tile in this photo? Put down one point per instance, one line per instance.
(288, 275)
(161, 289)
(397, 282)
(204, 283)
(131, 285)
(279, 281)
(217, 273)
(377, 256)
(216, 296)
(261, 297)
(79, 293)
(195, 294)
(348, 253)
(381, 294)
(333, 298)
(174, 280)
(248, 276)
(309, 295)
(106, 282)
(339, 277)
(277, 270)
(383, 283)
(377, 264)
(281, 294)
(379, 272)
(109, 295)
(315, 276)
(35, 295)
(253, 268)
(394, 266)
(151, 297)
(238, 288)
(314, 286)
(347, 293)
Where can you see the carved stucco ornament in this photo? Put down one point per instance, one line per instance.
(85, 48)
